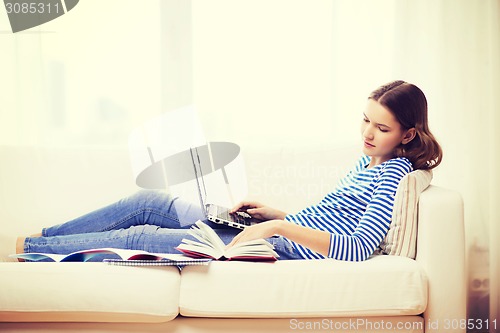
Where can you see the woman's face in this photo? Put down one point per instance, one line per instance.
(381, 133)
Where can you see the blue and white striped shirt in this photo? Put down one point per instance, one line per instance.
(357, 213)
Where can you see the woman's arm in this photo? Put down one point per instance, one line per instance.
(357, 246)
(316, 240)
(259, 211)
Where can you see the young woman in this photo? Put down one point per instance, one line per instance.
(348, 224)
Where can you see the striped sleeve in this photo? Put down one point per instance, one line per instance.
(374, 223)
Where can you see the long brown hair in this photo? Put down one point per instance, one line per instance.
(409, 105)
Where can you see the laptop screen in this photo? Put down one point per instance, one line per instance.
(198, 173)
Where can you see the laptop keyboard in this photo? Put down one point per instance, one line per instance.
(239, 217)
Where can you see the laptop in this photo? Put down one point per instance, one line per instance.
(216, 213)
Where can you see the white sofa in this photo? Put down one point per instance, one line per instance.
(44, 186)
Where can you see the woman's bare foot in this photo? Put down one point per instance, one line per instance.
(20, 246)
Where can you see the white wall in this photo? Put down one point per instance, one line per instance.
(264, 68)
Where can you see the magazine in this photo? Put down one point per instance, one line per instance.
(126, 257)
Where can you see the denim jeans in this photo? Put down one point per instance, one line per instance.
(149, 220)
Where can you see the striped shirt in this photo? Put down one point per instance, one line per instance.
(357, 213)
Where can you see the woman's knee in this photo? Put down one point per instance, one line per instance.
(150, 199)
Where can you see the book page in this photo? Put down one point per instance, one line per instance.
(254, 248)
(212, 236)
(190, 247)
(208, 243)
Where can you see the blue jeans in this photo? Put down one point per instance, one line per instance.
(149, 220)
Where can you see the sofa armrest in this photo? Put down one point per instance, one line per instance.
(441, 252)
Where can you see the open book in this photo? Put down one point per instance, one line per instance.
(126, 257)
(209, 245)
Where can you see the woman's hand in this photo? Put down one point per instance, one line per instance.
(257, 231)
(259, 211)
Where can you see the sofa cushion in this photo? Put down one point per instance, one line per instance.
(95, 292)
(379, 286)
(401, 239)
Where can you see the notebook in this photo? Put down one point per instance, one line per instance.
(216, 213)
(163, 262)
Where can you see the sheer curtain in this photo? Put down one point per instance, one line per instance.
(494, 185)
(452, 47)
(85, 78)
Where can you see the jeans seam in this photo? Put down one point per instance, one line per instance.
(78, 242)
(137, 213)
